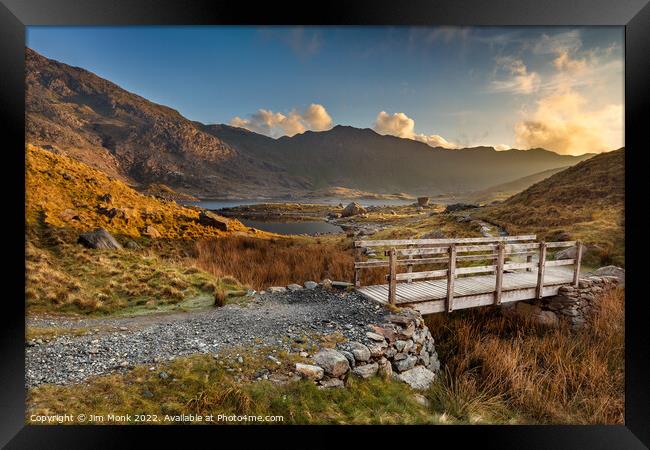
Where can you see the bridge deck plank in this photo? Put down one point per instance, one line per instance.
(425, 291)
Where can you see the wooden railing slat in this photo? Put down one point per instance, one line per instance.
(392, 282)
(540, 270)
(474, 269)
(499, 274)
(451, 275)
(398, 242)
(421, 275)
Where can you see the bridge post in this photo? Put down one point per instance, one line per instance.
(576, 271)
(499, 272)
(357, 258)
(540, 270)
(392, 276)
(451, 274)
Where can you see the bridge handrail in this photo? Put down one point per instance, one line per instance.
(497, 248)
(473, 240)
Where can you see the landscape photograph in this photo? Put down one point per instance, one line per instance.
(317, 225)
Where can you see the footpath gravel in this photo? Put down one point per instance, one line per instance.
(116, 344)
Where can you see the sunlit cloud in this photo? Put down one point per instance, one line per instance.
(518, 79)
(276, 124)
(401, 125)
(502, 147)
(567, 124)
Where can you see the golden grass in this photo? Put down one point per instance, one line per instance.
(544, 376)
(261, 263)
(583, 202)
(65, 193)
(67, 277)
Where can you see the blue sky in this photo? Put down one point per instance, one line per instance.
(559, 88)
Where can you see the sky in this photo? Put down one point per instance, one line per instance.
(507, 87)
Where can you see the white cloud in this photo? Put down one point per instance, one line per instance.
(398, 124)
(401, 125)
(276, 124)
(567, 124)
(518, 80)
(317, 118)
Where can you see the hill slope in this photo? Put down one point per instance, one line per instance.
(126, 136)
(504, 191)
(586, 201)
(65, 193)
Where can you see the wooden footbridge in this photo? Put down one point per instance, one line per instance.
(465, 272)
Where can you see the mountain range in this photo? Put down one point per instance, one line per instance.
(72, 111)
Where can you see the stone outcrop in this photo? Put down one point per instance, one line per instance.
(423, 201)
(98, 239)
(401, 348)
(353, 209)
(210, 219)
(612, 271)
(572, 305)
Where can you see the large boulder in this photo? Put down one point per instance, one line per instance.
(333, 362)
(459, 207)
(423, 201)
(418, 378)
(353, 209)
(612, 271)
(567, 253)
(99, 239)
(210, 219)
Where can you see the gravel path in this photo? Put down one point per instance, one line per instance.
(270, 320)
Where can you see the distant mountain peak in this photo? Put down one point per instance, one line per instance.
(95, 121)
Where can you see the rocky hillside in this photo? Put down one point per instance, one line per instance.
(126, 136)
(64, 193)
(585, 201)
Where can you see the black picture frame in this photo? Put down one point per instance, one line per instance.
(634, 15)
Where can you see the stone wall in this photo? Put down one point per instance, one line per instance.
(572, 305)
(401, 348)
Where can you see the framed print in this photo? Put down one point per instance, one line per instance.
(304, 219)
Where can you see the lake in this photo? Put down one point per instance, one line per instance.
(231, 203)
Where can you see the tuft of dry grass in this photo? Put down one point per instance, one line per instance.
(546, 376)
(219, 297)
(261, 263)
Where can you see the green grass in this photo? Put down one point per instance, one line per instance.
(201, 385)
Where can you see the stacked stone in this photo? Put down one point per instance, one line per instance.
(573, 305)
(576, 304)
(402, 348)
